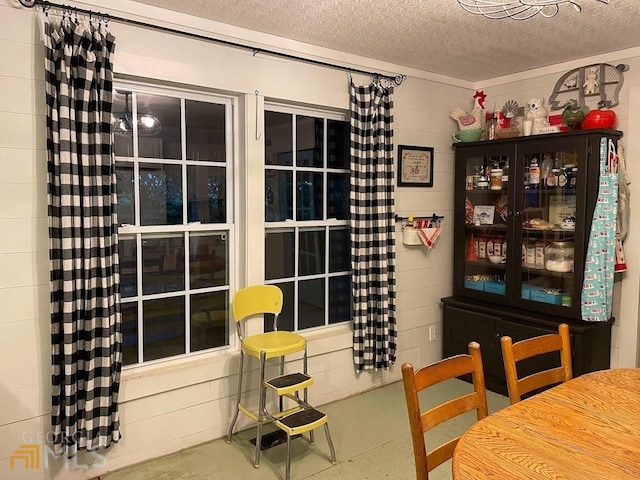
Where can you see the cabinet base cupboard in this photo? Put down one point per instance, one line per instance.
(466, 320)
(523, 209)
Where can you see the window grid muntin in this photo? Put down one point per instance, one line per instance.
(295, 224)
(137, 231)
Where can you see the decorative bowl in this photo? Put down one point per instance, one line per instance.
(472, 135)
(599, 119)
(496, 259)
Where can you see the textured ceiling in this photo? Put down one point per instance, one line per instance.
(436, 36)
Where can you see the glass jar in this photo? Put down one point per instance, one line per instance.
(496, 179)
(492, 127)
(534, 173)
(558, 256)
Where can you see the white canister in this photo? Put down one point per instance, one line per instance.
(410, 236)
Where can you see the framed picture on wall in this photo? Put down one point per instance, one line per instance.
(415, 166)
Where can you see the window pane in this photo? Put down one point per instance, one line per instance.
(126, 193)
(338, 144)
(122, 124)
(209, 320)
(164, 334)
(310, 140)
(205, 131)
(279, 255)
(208, 260)
(285, 320)
(129, 333)
(160, 194)
(311, 252)
(279, 195)
(159, 127)
(206, 189)
(339, 254)
(310, 199)
(278, 138)
(338, 191)
(162, 264)
(127, 252)
(311, 303)
(339, 299)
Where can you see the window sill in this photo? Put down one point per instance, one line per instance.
(148, 380)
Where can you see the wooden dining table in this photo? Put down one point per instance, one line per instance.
(587, 428)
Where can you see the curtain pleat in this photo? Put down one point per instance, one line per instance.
(86, 342)
(372, 232)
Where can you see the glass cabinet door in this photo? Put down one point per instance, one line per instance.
(551, 223)
(487, 215)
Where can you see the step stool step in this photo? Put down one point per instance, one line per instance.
(273, 439)
(302, 421)
(289, 383)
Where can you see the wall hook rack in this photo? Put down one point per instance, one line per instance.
(420, 230)
(434, 219)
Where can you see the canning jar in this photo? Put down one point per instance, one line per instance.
(558, 256)
(496, 179)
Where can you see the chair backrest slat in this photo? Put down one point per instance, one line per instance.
(512, 353)
(420, 422)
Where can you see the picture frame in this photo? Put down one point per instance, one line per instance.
(415, 166)
(483, 214)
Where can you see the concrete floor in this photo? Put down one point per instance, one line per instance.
(370, 433)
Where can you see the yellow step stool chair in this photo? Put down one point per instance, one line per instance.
(268, 299)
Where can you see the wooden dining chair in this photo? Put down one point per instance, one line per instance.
(420, 422)
(512, 353)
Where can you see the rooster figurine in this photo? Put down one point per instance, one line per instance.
(572, 115)
(466, 120)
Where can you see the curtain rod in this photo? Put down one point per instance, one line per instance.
(396, 79)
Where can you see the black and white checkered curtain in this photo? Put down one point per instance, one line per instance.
(86, 342)
(372, 227)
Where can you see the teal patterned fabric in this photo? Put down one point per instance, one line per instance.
(597, 288)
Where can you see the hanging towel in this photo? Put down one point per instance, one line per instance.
(622, 223)
(429, 235)
(597, 287)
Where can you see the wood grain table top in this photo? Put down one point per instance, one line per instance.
(587, 429)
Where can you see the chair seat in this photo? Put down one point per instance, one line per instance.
(274, 344)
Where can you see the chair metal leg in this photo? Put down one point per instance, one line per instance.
(333, 452)
(281, 400)
(235, 415)
(261, 408)
(288, 471)
(312, 438)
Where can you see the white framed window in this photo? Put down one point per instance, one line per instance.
(175, 157)
(307, 215)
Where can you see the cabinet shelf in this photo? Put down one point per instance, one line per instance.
(487, 228)
(546, 273)
(477, 191)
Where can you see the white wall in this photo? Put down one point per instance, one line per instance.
(177, 404)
